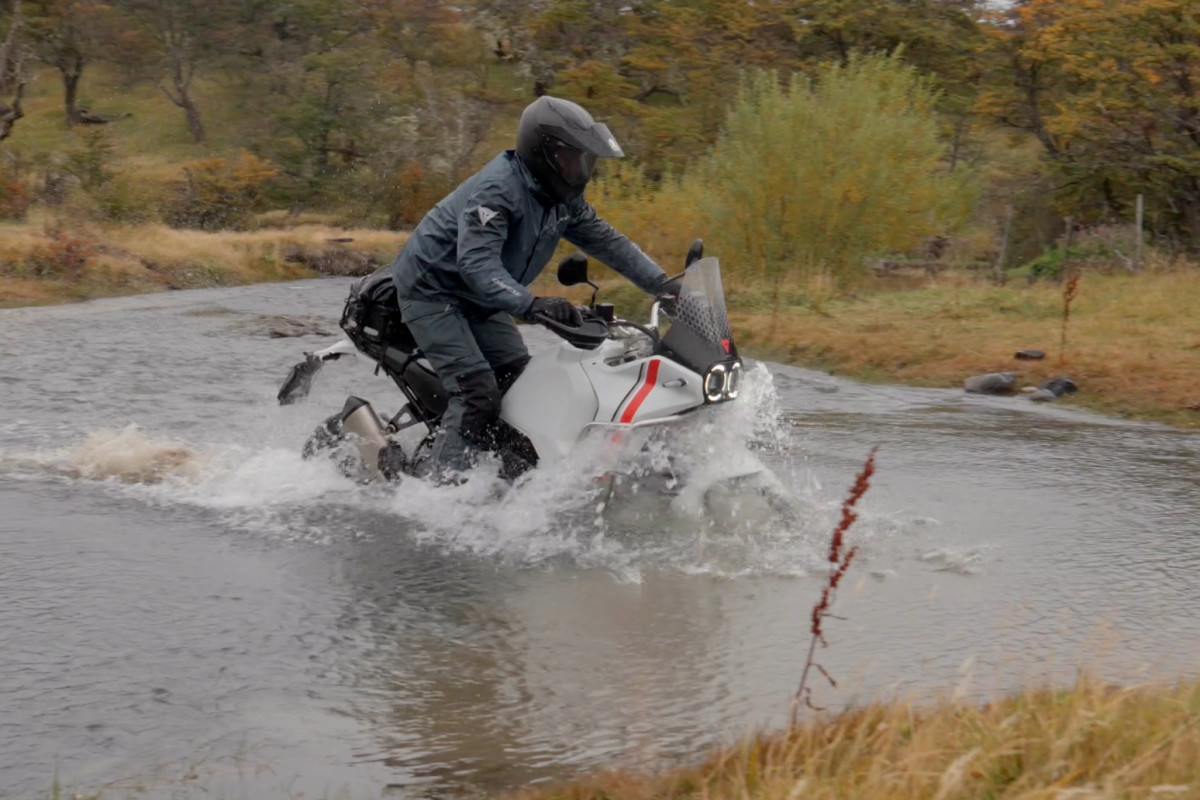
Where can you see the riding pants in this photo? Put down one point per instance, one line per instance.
(476, 359)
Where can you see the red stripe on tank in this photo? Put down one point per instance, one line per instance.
(636, 403)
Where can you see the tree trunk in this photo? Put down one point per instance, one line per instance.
(12, 67)
(960, 127)
(181, 78)
(323, 150)
(10, 113)
(182, 99)
(71, 71)
(195, 126)
(9, 116)
(1189, 205)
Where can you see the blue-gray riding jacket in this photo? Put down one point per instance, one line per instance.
(489, 238)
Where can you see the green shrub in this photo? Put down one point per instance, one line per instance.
(810, 177)
(1100, 248)
(91, 162)
(1047, 265)
(126, 200)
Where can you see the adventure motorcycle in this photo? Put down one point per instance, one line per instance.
(606, 374)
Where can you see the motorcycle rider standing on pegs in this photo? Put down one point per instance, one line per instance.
(463, 273)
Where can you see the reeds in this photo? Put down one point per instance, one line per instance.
(1085, 742)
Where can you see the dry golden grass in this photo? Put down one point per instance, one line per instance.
(1133, 343)
(1091, 741)
(115, 260)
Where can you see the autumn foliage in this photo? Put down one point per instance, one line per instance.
(1109, 90)
(220, 193)
(808, 136)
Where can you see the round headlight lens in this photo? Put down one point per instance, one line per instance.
(733, 383)
(714, 383)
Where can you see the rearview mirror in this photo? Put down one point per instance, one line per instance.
(694, 253)
(572, 270)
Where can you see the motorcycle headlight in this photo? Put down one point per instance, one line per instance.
(714, 383)
(733, 381)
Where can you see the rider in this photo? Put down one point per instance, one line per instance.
(462, 275)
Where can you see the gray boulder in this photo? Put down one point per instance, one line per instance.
(1043, 396)
(992, 383)
(1060, 386)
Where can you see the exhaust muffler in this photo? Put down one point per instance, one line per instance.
(360, 421)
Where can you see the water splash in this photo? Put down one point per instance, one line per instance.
(128, 455)
(695, 497)
(131, 456)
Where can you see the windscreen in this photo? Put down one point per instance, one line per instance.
(701, 305)
(700, 335)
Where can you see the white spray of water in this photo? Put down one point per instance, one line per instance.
(694, 497)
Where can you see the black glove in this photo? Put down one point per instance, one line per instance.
(668, 294)
(670, 287)
(558, 309)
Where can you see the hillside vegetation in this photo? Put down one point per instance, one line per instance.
(859, 165)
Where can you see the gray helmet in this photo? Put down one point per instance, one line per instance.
(559, 141)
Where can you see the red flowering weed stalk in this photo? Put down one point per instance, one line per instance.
(1068, 295)
(839, 558)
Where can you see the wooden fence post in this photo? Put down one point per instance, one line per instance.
(1003, 255)
(1141, 209)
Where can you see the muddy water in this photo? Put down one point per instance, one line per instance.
(188, 608)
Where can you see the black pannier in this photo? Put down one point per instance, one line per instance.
(371, 317)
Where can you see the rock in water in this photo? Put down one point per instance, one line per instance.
(992, 383)
(1060, 386)
(1043, 396)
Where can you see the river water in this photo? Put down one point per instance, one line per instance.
(187, 608)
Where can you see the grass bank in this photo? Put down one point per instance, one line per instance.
(43, 263)
(1133, 341)
(1089, 741)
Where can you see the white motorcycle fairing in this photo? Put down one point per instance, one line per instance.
(566, 390)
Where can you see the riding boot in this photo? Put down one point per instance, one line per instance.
(467, 425)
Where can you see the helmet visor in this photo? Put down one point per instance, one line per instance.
(573, 164)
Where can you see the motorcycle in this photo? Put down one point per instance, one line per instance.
(608, 375)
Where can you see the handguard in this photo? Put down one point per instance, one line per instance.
(588, 336)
